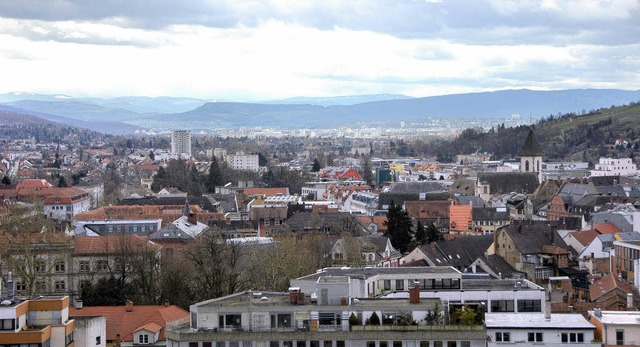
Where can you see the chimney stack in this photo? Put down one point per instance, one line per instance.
(414, 293)
(547, 310)
(629, 300)
(10, 287)
(597, 312)
(193, 218)
(129, 306)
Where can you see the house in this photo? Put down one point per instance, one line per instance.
(339, 173)
(428, 212)
(616, 328)
(37, 322)
(539, 329)
(488, 219)
(459, 252)
(626, 217)
(370, 250)
(134, 325)
(611, 293)
(531, 247)
(461, 219)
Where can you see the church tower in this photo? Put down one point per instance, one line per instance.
(531, 156)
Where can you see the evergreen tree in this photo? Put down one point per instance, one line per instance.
(6, 181)
(152, 155)
(421, 234)
(398, 228)
(367, 175)
(316, 165)
(215, 176)
(433, 234)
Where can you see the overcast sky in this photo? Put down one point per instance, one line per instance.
(251, 50)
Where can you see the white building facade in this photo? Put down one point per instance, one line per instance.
(181, 142)
(615, 167)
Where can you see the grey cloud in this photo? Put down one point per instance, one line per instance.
(473, 22)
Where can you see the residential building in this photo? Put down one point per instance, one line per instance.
(611, 293)
(616, 328)
(539, 329)
(614, 167)
(41, 322)
(134, 325)
(460, 219)
(296, 318)
(181, 142)
(247, 162)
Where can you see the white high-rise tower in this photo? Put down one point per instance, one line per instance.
(181, 142)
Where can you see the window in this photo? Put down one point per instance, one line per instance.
(193, 344)
(437, 343)
(501, 305)
(98, 340)
(534, 337)
(424, 343)
(59, 285)
(21, 287)
(85, 266)
(102, 265)
(529, 306)
(399, 284)
(452, 344)
(619, 337)
(7, 324)
(387, 284)
(40, 266)
(465, 343)
(68, 339)
(143, 339)
(59, 266)
(503, 336)
(573, 337)
(40, 286)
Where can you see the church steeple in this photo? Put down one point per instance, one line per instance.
(531, 155)
(531, 147)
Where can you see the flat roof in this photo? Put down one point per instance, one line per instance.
(536, 320)
(375, 271)
(619, 317)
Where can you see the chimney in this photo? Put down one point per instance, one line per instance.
(78, 305)
(630, 300)
(129, 306)
(193, 218)
(10, 288)
(547, 310)
(597, 312)
(166, 303)
(414, 293)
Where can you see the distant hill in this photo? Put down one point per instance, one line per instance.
(15, 125)
(103, 126)
(567, 137)
(167, 113)
(338, 100)
(472, 105)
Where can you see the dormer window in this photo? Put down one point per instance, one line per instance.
(143, 339)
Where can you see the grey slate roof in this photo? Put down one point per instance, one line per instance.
(418, 187)
(530, 238)
(471, 200)
(489, 213)
(170, 232)
(531, 147)
(499, 265)
(507, 182)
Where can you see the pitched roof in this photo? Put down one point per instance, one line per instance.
(531, 147)
(606, 228)
(92, 245)
(530, 238)
(607, 284)
(266, 191)
(508, 182)
(585, 236)
(124, 322)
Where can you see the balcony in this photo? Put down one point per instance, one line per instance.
(417, 328)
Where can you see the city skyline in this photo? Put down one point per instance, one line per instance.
(247, 51)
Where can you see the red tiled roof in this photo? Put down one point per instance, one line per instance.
(34, 184)
(378, 220)
(90, 245)
(607, 284)
(606, 228)
(266, 191)
(585, 236)
(151, 327)
(119, 321)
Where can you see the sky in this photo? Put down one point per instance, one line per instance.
(243, 50)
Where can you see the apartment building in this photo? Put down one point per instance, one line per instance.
(181, 142)
(614, 167)
(42, 322)
(247, 162)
